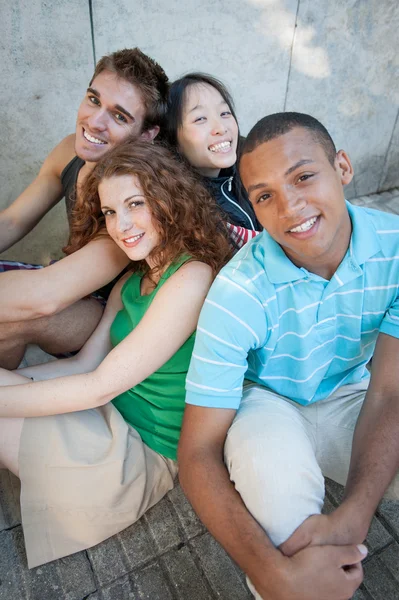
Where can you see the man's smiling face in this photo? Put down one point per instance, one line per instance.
(298, 197)
(112, 110)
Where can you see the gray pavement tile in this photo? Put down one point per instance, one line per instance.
(359, 595)
(76, 576)
(378, 536)
(390, 558)
(10, 514)
(137, 544)
(334, 490)
(164, 526)
(383, 206)
(385, 201)
(45, 584)
(328, 507)
(191, 524)
(13, 584)
(219, 569)
(65, 579)
(107, 561)
(152, 584)
(393, 205)
(389, 511)
(188, 581)
(378, 580)
(359, 201)
(121, 589)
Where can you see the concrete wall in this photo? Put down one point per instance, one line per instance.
(338, 60)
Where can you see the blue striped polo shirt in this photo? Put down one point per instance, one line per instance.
(290, 330)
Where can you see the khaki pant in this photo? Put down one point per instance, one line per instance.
(84, 477)
(278, 453)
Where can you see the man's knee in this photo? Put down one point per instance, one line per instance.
(277, 477)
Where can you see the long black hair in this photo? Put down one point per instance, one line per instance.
(176, 100)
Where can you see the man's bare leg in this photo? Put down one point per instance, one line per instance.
(66, 331)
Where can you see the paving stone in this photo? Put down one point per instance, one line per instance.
(378, 580)
(121, 589)
(107, 561)
(152, 584)
(328, 506)
(191, 524)
(76, 576)
(164, 526)
(13, 584)
(359, 595)
(378, 536)
(219, 569)
(137, 544)
(359, 201)
(390, 558)
(393, 205)
(389, 511)
(10, 514)
(381, 205)
(45, 583)
(187, 579)
(334, 490)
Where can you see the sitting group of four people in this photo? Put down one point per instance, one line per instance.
(252, 299)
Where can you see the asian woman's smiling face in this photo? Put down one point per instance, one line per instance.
(208, 134)
(128, 217)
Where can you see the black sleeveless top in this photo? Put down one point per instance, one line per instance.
(69, 177)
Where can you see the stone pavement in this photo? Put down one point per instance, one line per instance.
(168, 554)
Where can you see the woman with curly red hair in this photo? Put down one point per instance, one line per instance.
(93, 438)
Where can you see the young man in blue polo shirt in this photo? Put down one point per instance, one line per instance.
(278, 393)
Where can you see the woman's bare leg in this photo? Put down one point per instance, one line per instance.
(10, 429)
(10, 437)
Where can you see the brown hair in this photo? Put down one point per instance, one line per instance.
(144, 73)
(184, 213)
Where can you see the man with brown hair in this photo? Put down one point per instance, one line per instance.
(126, 98)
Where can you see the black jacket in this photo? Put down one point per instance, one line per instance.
(231, 197)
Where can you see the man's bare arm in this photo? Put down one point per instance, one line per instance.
(18, 219)
(312, 574)
(375, 449)
(43, 292)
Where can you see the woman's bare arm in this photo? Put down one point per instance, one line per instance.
(167, 324)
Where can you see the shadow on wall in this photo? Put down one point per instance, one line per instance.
(344, 70)
(276, 20)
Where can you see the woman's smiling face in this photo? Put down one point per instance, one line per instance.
(208, 134)
(128, 217)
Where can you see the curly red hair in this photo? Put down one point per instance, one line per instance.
(184, 213)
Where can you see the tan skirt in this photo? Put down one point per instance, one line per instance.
(84, 477)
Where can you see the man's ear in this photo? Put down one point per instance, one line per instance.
(343, 166)
(149, 134)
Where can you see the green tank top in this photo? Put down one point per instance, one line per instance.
(155, 406)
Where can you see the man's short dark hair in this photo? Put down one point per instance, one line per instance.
(278, 124)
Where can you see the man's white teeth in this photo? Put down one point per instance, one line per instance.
(134, 238)
(91, 138)
(305, 226)
(218, 147)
